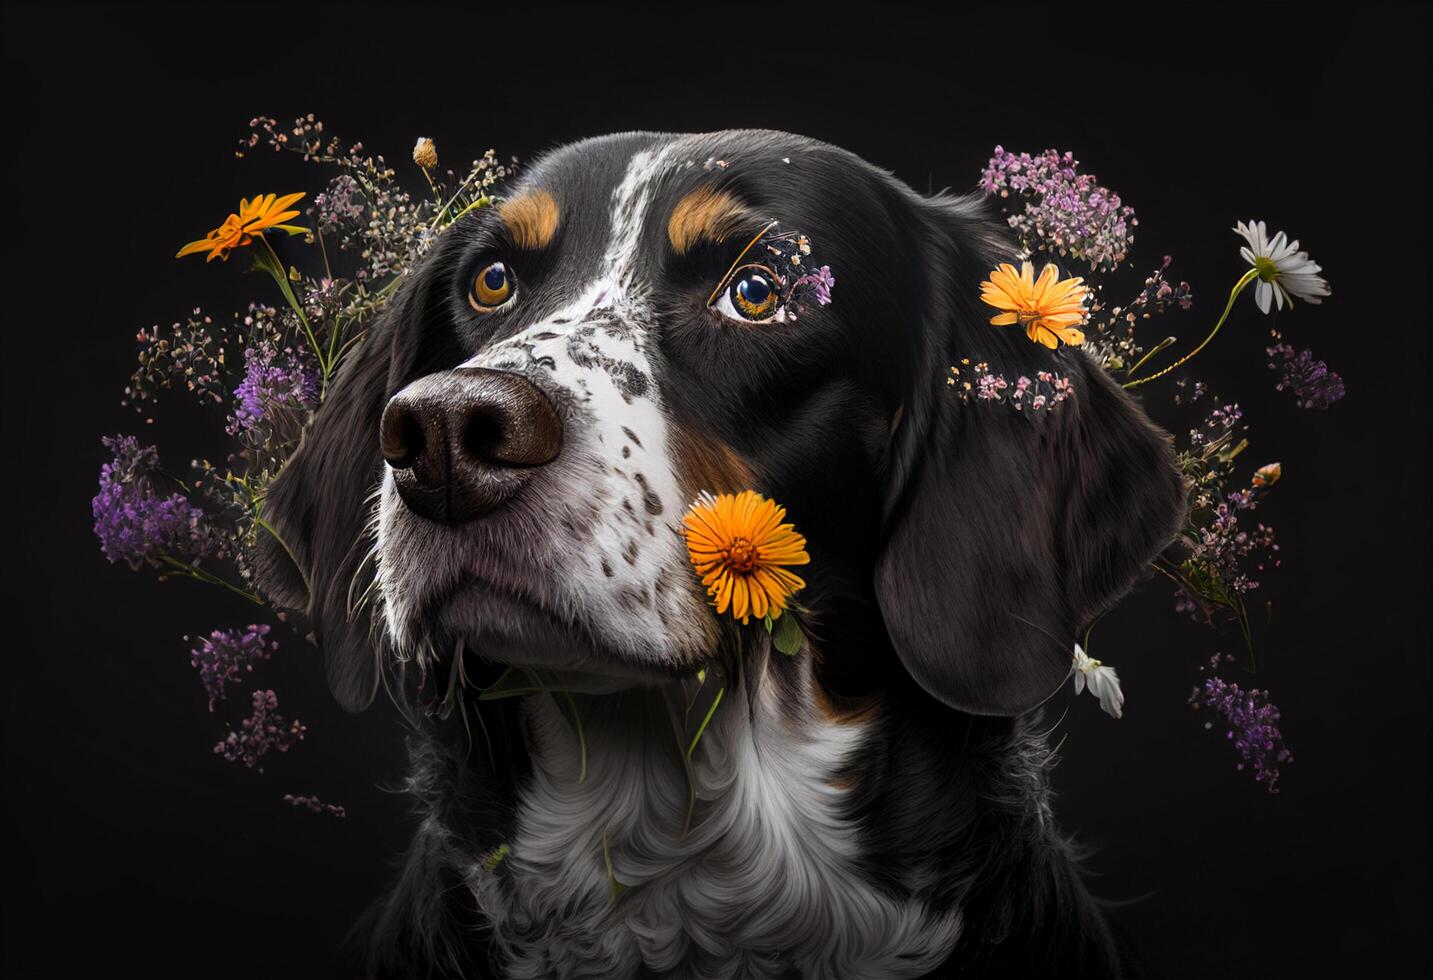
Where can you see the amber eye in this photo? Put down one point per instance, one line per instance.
(751, 295)
(492, 288)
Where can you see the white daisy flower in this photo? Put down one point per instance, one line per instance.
(1102, 681)
(1284, 271)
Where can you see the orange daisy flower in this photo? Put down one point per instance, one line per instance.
(739, 546)
(1048, 308)
(254, 218)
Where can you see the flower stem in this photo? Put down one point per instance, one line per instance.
(275, 268)
(1150, 353)
(702, 728)
(1239, 286)
(199, 575)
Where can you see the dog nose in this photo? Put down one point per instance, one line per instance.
(461, 443)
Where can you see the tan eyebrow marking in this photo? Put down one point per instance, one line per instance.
(704, 213)
(531, 219)
(706, 463)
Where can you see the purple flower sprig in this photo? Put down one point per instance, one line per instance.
(1311, 381)
(226, 654)
(262, 732)
(135, 523)
(140, 526)
(275, 383)
(1252, 724)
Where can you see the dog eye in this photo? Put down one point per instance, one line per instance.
(751, 296)
(493, 287)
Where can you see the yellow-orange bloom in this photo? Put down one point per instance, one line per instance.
(254, 218)
(739, 546)
(1049, 308)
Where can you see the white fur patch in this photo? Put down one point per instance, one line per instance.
(764, 880)
(627, 581)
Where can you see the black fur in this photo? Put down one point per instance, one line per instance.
(955, 554)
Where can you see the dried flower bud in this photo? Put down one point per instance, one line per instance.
(425, 154)
(1267, 476)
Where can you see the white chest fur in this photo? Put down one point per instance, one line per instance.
(604, 879)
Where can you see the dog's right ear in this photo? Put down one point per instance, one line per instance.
(316, 559)
(1007, 531)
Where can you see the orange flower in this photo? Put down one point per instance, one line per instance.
(1049, 308)
(738, 546)
(254, 217)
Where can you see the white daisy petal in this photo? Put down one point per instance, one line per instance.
(1102, 681)
(1263, 293)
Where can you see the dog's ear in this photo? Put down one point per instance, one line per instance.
(1006, 531)
(318, 559)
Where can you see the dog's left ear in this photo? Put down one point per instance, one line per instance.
(319, 505)
(1007, 531)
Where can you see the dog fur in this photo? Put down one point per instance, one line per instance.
(875, 806)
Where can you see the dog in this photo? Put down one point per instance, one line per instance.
(493, 492)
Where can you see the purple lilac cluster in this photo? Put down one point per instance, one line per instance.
(133, 522)
(275, 381)
(316, 805)
(226, 654)
(979, 383)
(262, 732)
(1252, 724)
(1311, 381)
(1066, 212)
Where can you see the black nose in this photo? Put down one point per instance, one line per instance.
(462, 442)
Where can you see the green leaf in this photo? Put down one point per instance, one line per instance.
(1227, 455)
(786, 635)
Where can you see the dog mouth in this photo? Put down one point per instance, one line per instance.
(502, 625)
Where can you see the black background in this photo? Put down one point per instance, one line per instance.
(132, 849)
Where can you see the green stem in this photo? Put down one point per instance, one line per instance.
(1152, 351)
(275, 268)
(198, 574)
(1244, 281)
(701, 729)
(617, 886)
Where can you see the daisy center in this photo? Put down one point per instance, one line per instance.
(741, 555)
(1266, 268)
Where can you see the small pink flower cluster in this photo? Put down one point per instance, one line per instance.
(1042, 393)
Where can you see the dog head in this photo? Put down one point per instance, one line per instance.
(505, 460)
